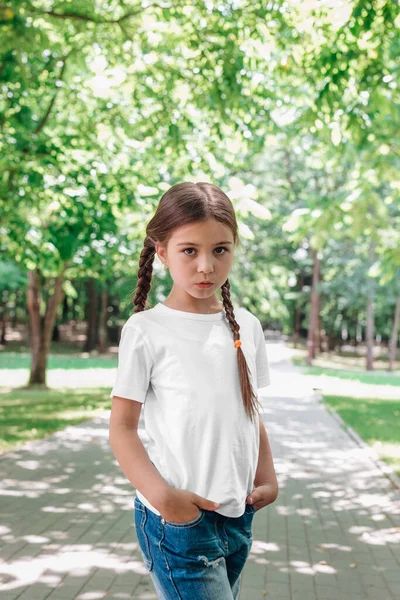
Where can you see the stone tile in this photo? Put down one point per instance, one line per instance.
(304, 545)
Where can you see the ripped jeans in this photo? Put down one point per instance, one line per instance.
(198, 560)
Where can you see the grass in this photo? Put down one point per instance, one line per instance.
(18, 360)
(376, 421)
(377, 378)
(34, 414)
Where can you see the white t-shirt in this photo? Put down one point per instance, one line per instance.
(183, 367)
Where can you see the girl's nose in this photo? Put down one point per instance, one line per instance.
(205, 266)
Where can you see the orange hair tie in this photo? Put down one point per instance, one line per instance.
(237, 343)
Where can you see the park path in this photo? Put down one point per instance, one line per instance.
(333, 533)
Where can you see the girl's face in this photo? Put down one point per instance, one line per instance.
(198, 252)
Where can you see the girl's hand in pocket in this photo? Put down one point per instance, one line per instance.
(262, 495)
(181, 506)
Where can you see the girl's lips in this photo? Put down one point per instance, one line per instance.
(208, 284)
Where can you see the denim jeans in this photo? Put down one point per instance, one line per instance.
(196, 560)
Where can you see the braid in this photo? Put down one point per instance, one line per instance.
(250, 399)
(144, 275)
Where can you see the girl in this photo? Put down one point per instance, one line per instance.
(194, 364)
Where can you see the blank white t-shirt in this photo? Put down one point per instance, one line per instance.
(183, 367)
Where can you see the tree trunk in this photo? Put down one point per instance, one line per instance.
(297, 314)
(331, 342)
(317, 333)
(14, 318)
(3, 340)
(370, 324)
(313, 309)
(56, 334)
(319, 340)
(65, 310)
(395, 334)
(91, 316)
(41, 329)
(103, 329)
(370, 334)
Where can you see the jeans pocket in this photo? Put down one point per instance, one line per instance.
(142, 537)
(247, 520)
(138, 504)
(187, 524)
(250, 509)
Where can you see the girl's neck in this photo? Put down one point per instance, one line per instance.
(206, 309)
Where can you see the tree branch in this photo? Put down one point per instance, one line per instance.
(78, 17)
(49, 108)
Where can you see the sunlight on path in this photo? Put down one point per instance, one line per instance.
(333, 533)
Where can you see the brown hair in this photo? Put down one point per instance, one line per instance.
(187, 203)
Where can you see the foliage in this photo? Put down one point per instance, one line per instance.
(290, 107)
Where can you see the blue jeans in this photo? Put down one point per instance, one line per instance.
(198, 560)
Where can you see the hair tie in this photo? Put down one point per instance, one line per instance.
(237, 343)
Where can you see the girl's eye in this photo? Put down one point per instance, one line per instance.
(219, 248)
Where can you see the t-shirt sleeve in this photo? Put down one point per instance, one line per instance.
(262, 367)
(134, 365)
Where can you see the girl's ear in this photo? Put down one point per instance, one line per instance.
(160, 250)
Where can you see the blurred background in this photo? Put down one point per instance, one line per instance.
(291, 107)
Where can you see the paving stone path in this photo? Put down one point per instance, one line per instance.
(67, 527)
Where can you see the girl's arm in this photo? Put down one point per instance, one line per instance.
(265, 473)
(173, 504)
(130, 452)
